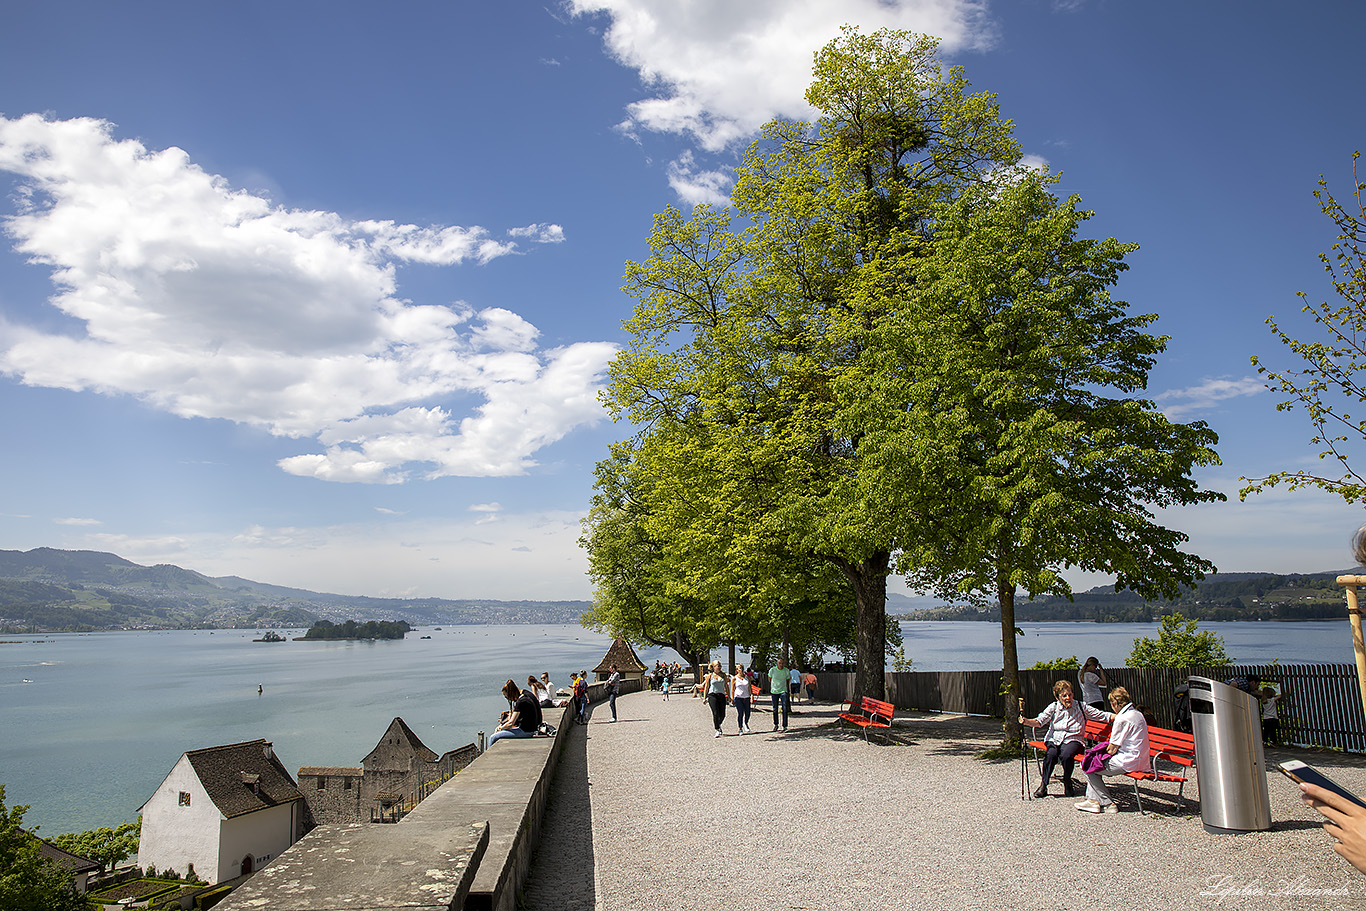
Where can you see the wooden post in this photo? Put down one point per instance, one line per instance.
(1354, 614)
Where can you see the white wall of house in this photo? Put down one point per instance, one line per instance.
(262, 834)
(175, 836)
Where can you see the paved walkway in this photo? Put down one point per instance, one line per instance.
(654, 813)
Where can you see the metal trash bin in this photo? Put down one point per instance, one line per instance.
(1229, 758)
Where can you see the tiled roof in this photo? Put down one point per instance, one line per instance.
(400, 728)
(226, 772)
(331, 770)
(623, 656)
(77, 863)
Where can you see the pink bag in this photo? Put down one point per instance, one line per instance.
(1093, 760)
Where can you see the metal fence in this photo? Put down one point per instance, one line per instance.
(1320, 703)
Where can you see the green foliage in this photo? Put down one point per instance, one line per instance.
(370, 629)
(28, 881)
(1326, 386)
(744, 500)
(1179, 645)
(1057, 664)
(900, 662)
(105, 846)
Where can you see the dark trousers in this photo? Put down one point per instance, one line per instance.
(742, 711)
(1067, 752)
(612, 702)
(717, 701)
(779, 699)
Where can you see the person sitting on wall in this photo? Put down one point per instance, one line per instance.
(522, 720)
(537, 691)
(548, 693)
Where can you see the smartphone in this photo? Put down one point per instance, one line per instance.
(1298, 771)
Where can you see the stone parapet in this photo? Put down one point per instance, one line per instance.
(467, 846)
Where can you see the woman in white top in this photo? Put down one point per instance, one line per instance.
(1065, 718)
(538, 691)
(1127, 752)
(1092, 678)
(741, 691)
(716, 687)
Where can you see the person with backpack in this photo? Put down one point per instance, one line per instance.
(581, 698)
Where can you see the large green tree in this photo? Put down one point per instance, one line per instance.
(29, 881)
(1002, 413)
(106, 845)
(1326, 385)
(741, 336)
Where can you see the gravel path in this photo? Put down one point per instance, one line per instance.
(818, 820)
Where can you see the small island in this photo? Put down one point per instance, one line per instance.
(271, 636)
(370, 629)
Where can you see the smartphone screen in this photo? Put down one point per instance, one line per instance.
(1308, 774)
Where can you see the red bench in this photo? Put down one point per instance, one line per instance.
(1175, 748)
(867, 712)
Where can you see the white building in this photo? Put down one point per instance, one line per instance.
(226, 810)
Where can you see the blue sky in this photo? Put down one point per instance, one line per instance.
(321, 294)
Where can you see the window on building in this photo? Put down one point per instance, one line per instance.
(322, 782)
(347, 786)
(184, 798)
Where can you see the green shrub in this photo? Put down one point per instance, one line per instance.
(1057, 664)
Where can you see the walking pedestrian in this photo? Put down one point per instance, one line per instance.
(740, 695)
(613, 687)
(778, 680)
(717, 689)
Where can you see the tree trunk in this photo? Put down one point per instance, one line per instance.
(730, 667)
(869, 580)
(1010, 659)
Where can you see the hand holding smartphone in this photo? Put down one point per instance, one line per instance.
(1302, 772)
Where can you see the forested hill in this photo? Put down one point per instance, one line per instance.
(1223, 596)
(45, 589)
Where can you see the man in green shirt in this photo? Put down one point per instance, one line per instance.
(777, 688)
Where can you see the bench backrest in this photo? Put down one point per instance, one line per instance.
(878, 707)
(1159, 739)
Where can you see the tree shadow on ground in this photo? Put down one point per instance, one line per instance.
(560, 877)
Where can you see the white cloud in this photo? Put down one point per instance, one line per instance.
(721, 69)
(76, 521)
(695, 187)
(541, 234)
(487, 507)
(1178, 404)
(208, 301)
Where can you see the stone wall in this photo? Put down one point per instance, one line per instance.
(333, 794)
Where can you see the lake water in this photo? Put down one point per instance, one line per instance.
(91, 723)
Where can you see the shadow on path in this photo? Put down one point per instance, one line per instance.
(562, 869)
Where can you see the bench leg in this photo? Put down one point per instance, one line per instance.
(1138, 797)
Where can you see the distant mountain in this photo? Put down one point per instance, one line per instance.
(906, 604)
(1221, 596)
(47, 589)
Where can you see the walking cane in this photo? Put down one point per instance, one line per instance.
(1354, 614)
(1024, 773)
